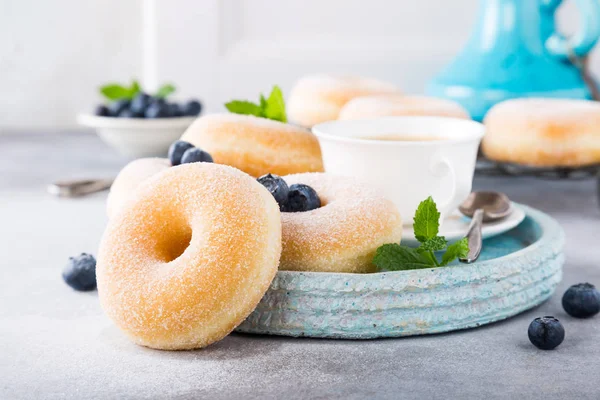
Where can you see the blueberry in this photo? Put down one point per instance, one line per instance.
(546, 333)
(278, 188)
(581, 300)
(192, 108)
(118, 106)
(140, 102)
(176, 151)
(80, 272)
(302, 198)
(157, 109)
(102, 111)
(127, 113)
(195, 155)
(175, 110)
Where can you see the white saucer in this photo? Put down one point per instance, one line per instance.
(455, 226)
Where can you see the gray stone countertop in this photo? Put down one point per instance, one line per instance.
(56, 343)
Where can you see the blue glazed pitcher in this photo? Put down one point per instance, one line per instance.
(515, 51)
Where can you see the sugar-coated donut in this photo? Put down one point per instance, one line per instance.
(130, 177)
(543, 132)
(387, 105)
(189, 257)
(257, 146)
(344, 233)
(319, 98)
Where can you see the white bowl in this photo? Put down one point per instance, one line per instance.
(136, 137)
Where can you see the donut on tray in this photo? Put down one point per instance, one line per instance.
(344, 233)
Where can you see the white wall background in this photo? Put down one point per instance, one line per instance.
(54, 54)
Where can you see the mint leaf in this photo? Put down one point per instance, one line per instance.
(426, 223)
(455, 250)
(244, 107)
(114, 91)
(275, 105)
(164, 91)
(263, 102)
(437, 243)
(393, 257)
(271, 108)
(134, 89)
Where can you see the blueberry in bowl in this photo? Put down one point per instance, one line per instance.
(192, 108)
(140, 103)
(157, 109)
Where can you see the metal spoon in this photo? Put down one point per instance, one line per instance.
(482, 207)
(77, 188)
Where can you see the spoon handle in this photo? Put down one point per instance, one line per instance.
(77, 188)
(474, 237)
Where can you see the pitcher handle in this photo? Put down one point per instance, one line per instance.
(586, 37)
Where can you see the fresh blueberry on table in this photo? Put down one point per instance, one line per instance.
(195, 155)
(546, 333)
(192, 108)
(157, 109)
(302, 198)
(80, 272)
(581, 300)
(118, 106)
(140, 102)
(176, 151)
(278, 188)
(102, 111)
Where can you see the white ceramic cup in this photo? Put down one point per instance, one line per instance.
(406, 172)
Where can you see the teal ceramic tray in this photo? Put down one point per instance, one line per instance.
(516, 271)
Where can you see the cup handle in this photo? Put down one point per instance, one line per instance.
(582, 42)
(441, 166)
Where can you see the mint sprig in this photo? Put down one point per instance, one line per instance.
(272, 107)
(165, 90)
(116, 91)
(395, 257)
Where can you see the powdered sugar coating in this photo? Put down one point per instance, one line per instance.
(387, 105)
(257, 146)
(543, 132)
(187, 259)
(130, 177)
(320, 97)
(342, 235)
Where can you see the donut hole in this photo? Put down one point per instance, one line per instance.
(173, 242)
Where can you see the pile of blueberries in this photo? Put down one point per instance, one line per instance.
(295, 198)
(145, 106)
